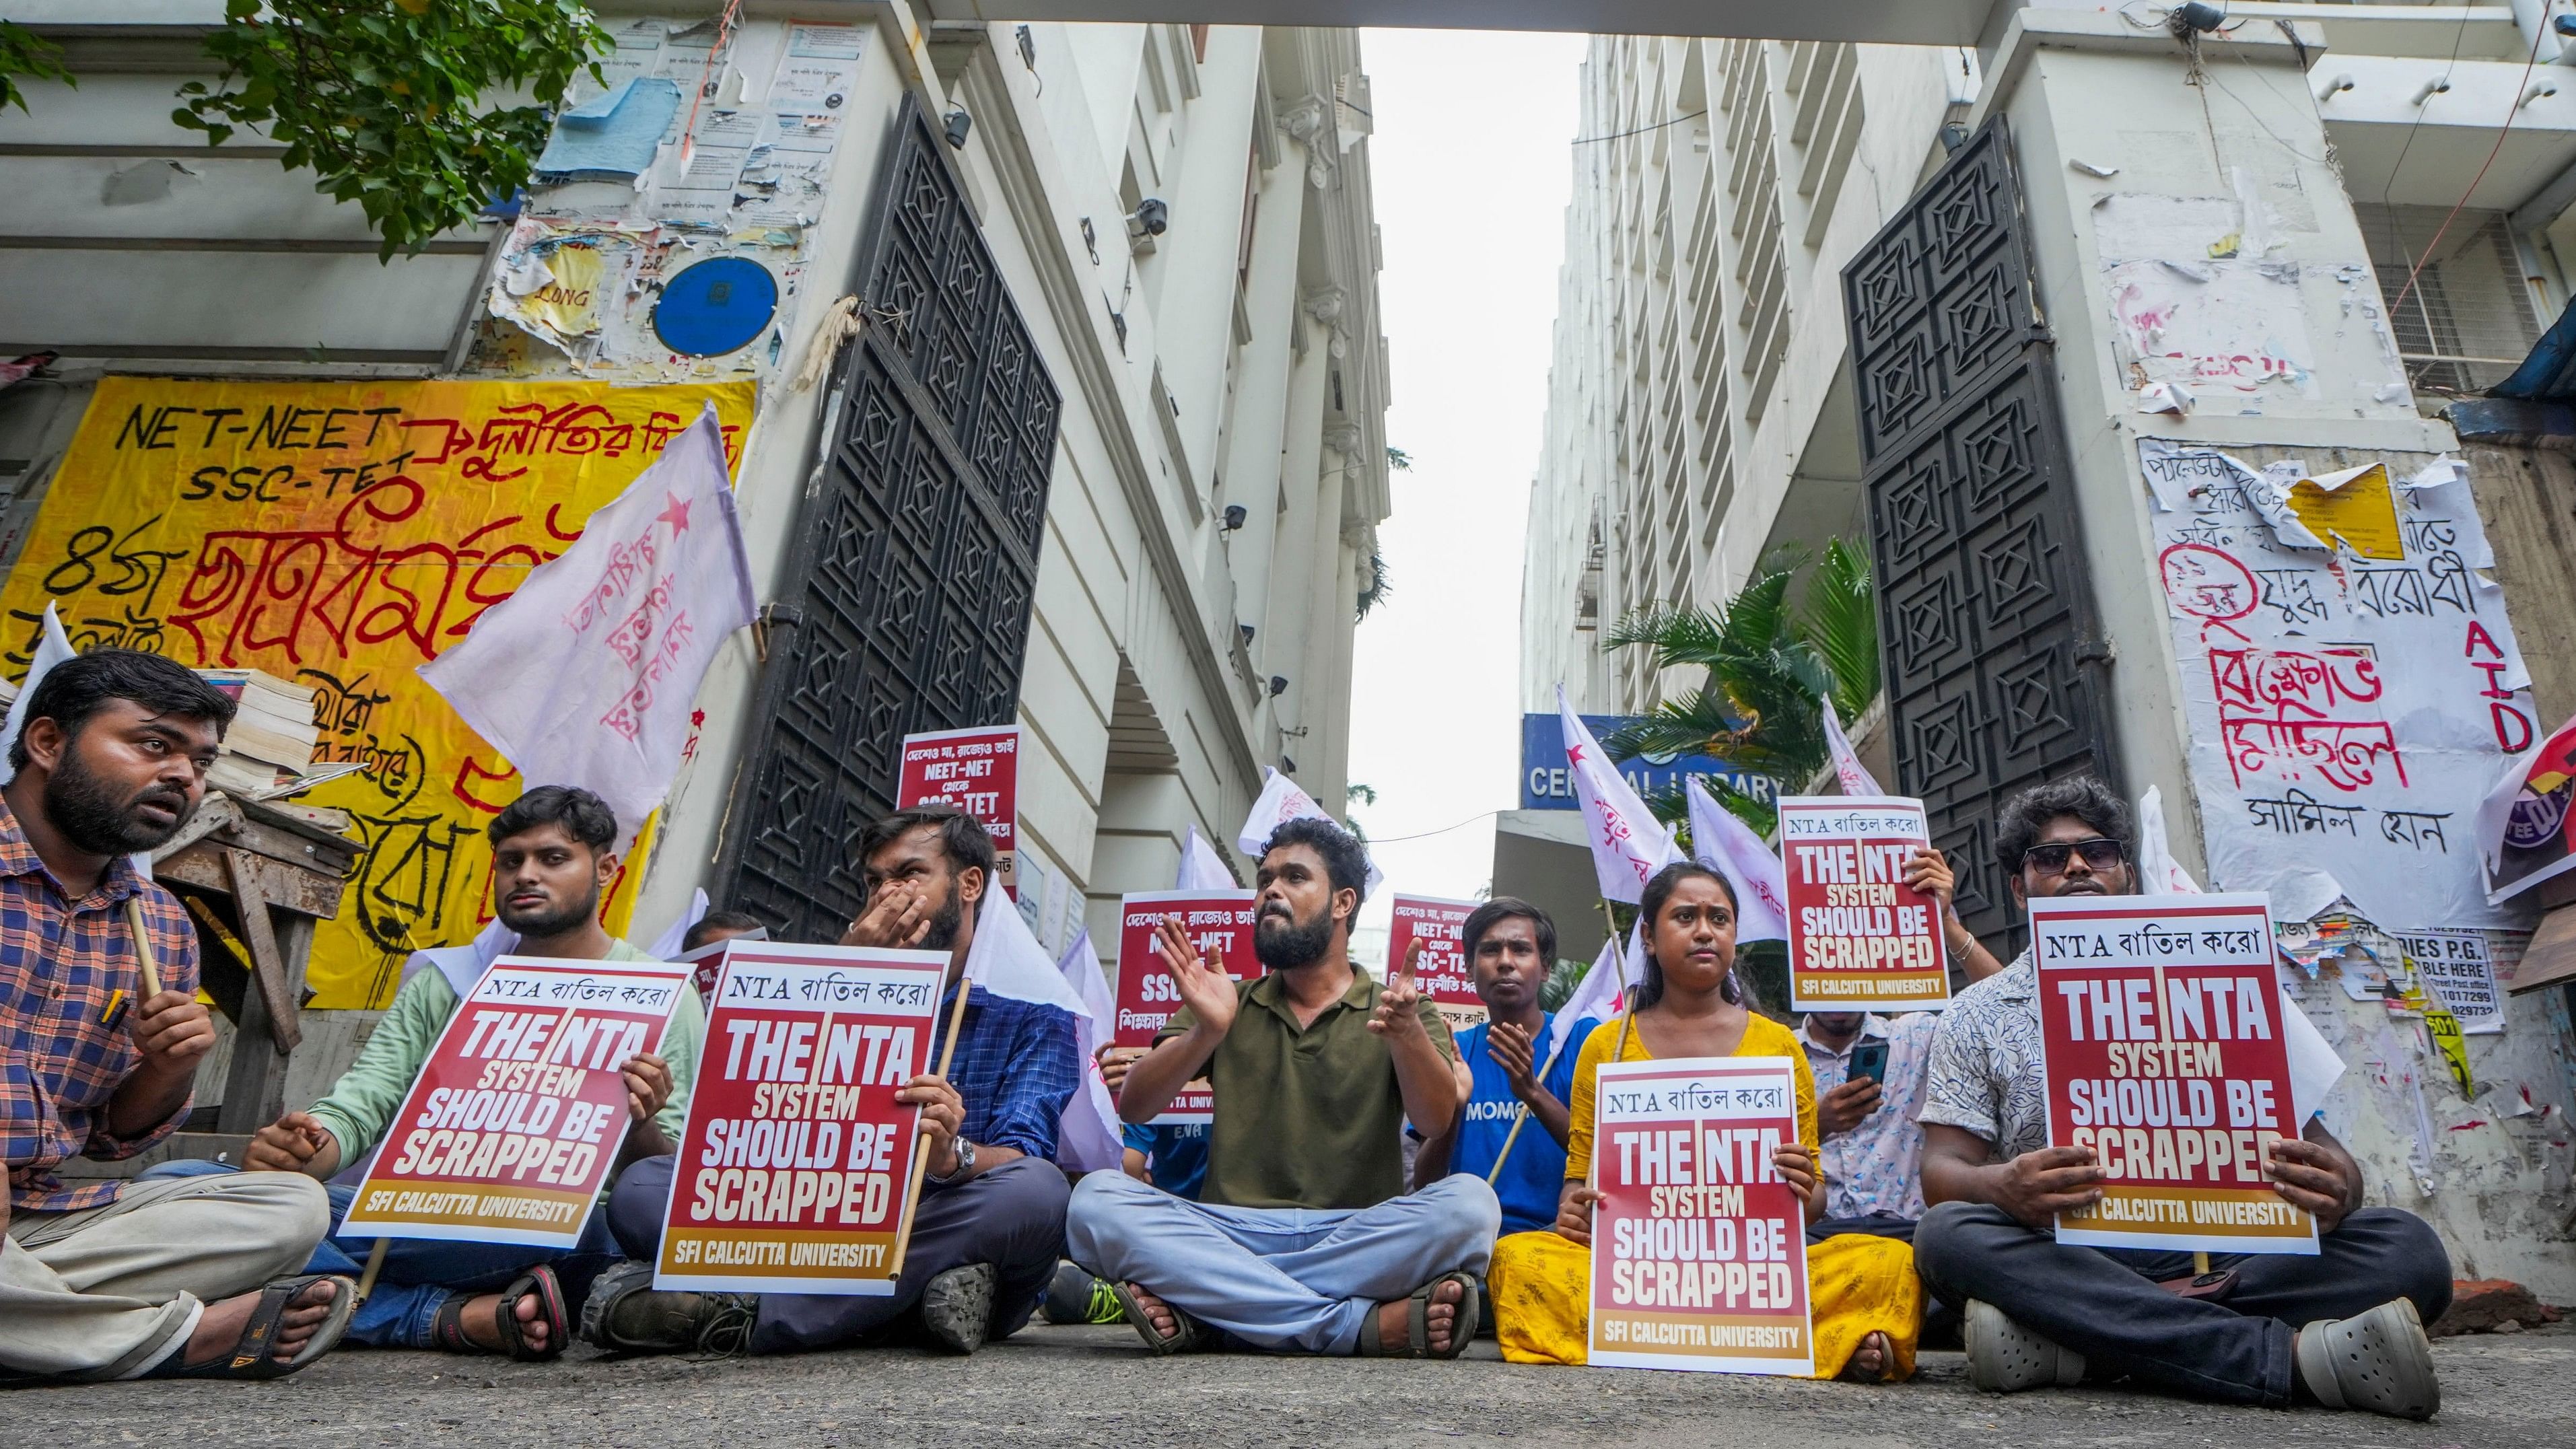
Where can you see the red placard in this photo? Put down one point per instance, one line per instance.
(794, 1170)
(1221, 923)
(1699, 1246)
(1442, 973)
(509, 1131)
(2161, 1025)
(977, 771)
(1860, 938)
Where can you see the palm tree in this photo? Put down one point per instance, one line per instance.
(1767, 667)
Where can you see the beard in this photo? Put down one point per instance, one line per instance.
(550, 923)
(1284, 943)
(83, 806)
(944, 924)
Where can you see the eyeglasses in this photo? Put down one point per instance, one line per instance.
(2099, 853)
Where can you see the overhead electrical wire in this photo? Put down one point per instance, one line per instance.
(1641, 130)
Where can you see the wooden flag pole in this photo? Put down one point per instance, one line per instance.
(375, 1265)
(921, 1144)
(1618, 1053)
(143, 953)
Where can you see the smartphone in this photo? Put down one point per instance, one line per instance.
(1869, 1059)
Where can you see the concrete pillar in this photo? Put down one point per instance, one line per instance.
(2085, 89)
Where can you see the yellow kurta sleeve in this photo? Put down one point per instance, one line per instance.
(1587, 1066)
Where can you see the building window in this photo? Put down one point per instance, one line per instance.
(2468, 321)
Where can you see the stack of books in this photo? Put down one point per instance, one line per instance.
(271, 739)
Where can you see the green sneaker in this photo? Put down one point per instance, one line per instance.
(1074, 1296)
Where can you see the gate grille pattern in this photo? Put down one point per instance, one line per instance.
(910, 575)
(1994, 681)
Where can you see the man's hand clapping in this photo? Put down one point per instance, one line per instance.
(1204, 987)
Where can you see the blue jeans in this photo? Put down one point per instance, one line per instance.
(1284, 1279)
(421, 1274)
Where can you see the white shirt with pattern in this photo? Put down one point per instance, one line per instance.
(1877, 1167)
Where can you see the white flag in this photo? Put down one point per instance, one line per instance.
(1202, 869)
(2159, 874)
(1628, 844)
(51, 649)
(1847, 766)
(1281, 801)
(1728, 846)
(1599, 995)
(1081, 967)
(669, 945)
(585, 676)
(1008, 961)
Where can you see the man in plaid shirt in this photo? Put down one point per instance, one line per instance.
(111, 1279)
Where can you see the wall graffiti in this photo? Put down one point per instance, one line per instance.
(339, 535)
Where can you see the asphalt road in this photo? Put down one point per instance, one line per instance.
(1095, 1386)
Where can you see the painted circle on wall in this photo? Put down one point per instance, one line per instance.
(716, 306)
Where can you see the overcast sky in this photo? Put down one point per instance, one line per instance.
(1472, 172)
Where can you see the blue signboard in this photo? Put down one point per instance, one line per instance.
(1545, 784)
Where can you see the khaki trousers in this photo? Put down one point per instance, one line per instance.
(108, 1292)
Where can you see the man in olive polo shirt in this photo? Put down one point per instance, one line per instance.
(1300, 1241)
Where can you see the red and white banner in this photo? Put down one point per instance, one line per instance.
(1443, 973)
(1220, 924)
(977, 771)
(2161, 1023)
(1860, 938)
(1699, 1246)
(512, 1127)
(793, 1172)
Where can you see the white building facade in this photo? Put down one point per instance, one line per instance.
(1152, 250)
(1941, 300)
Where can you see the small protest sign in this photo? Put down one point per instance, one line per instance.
(1442, 974)
(2459, 970)
(514, 1123)
(794, 1170)
(1860, 938)
(977, 771)
(1699, 1248)
(2161, 1029)
(1220, 924)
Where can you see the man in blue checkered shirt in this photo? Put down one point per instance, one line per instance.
(991, 1221)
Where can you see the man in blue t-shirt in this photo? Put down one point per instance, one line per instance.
(1172, 1156)
(1510, 946)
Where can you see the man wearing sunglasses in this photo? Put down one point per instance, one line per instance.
(2342, 1328)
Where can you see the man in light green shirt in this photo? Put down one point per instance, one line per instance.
(551, 861)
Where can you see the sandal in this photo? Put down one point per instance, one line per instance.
(250, 1358)
(1184, 1337)
(1417, 1323)
(448, 1328)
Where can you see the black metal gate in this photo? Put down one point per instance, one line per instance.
(1995, 673)
(905, 601)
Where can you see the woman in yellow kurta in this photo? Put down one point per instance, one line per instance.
(1867, 1301)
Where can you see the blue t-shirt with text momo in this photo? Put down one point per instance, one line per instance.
(1534, 1176)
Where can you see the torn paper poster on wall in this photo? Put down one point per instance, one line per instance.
(746, 125)
(615, 135)
(2203, 293)
(2346, 709)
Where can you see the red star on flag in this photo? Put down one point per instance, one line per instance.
(1574, 754)
(677, 515)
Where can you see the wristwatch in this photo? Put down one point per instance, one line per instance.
(965, 1164)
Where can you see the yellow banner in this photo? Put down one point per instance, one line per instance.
(338, 535)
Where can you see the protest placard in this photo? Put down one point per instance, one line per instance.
(1860, 938)
(795, 1168)
(2161, 1029)
(977, 771)
(512, 1127)
(1220, 923)
(1442, 974)
(1699, 1248)
(2459, 970)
